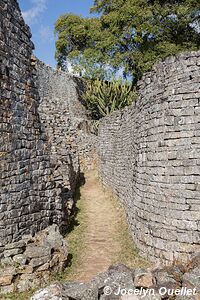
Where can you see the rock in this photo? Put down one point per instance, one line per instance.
(188, 297)
(7, 261)
(99, 280)
(20, 244)
(25, 270)
(44, 253)
(7, 289)
(162, 289)
(20, 259)
(12, 252)
(117, 276)
(6, 276)
(53, 292)
(163, 276)
(27, 282)
(36, 262)
(117, 284)
(74, 290)
(192, 279)
(143, 278)
(70, 290)
(195, 262)
(55, 260)
(110, 297)
(51, 237)
(34, 251)
(43, 267)
(6, 279)
(91, 293)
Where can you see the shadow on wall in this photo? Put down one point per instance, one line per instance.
(66, 196)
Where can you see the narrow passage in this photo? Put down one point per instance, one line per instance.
(102, 237)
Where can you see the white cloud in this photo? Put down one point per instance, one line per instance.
(32, 14)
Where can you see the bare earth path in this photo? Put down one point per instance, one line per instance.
(102, 237)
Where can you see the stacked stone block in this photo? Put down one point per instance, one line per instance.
(66, 122)
(149, 154)
(28, 198)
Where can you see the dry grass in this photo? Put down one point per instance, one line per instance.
(129, 254)
(17, 296)
(126, 252)
(75, 239)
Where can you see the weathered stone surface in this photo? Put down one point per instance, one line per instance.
(12, 252)
(53, 292)
(6, 276)
(36, 251)
(142, 278)
(118, 283)
(15, 245)
(20, 259)
(27, 194)
(162, 275)
(5, 279)
(192, 279)
(34, 266)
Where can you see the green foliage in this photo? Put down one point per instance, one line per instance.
(103, 97)
(128, 35)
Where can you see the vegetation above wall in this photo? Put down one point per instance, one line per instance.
(126, 36)
(104, 97)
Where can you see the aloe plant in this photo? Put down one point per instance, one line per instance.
(102, 97)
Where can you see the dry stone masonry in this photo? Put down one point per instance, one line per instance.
(64, 118)
(122, 283)
(29, 202)
(149, 155)
(30, 262)
(40, 153)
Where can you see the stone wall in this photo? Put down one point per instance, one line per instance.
(65, 121)
(45, 139)
(149, 154)
(40, 113)
(179, 282)
(28, 200)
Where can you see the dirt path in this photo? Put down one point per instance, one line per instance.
(104, 237)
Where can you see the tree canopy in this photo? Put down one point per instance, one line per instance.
(126, 36)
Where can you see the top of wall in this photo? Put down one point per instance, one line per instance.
(61, 88)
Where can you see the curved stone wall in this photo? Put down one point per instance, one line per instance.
(149, 154)
(65, 120)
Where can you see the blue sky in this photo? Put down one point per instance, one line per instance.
(41, 15)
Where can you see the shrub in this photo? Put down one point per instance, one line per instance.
(103, 97)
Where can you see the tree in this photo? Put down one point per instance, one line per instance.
(127, 35)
